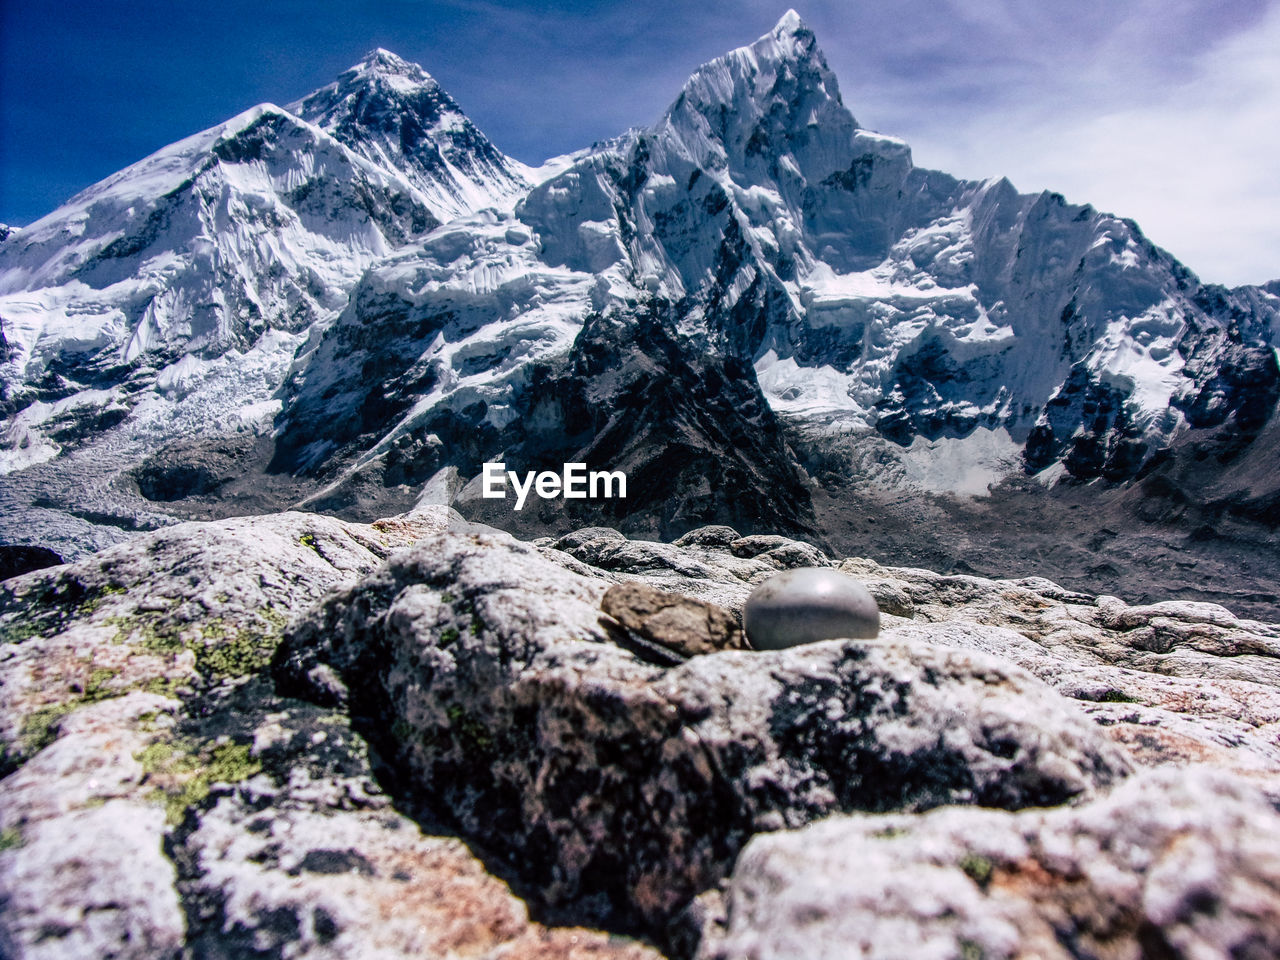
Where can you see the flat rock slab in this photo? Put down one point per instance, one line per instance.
(686, 626)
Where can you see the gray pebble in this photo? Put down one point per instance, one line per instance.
(807, 605)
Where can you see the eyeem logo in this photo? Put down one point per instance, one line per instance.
(573, 483)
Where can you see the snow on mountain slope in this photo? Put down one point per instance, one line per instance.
(901, 300)
(264, 222)
(453, 323)
(896, 322)
(872, 297)
(922, 305)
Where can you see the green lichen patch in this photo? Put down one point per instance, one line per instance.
(164, 687)
(309, 540)
(10, 838)
(977, 868)
(471, 734)
(92, 602)
(102, 685)
(222, 648)
(17, 631)
(39, 727)
(1117, 696)
(50, 606)
(183, 771)
(225, 651)
(150, 633)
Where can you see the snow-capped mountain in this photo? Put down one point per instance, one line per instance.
(263, 223)
(871, 297)
(752, 289)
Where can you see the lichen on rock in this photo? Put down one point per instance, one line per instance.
(1176, 864)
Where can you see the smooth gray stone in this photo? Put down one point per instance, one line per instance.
(806, 605)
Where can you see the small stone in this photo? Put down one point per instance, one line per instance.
(891, 598)
(796, 554)
(807, 605)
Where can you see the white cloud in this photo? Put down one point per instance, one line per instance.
(1194, 160)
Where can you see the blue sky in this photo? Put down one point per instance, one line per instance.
(1165, 111)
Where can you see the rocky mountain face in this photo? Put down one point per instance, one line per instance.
(396, 116)
(301, 736)
(348, 301)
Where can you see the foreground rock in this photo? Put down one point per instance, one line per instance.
(628, 789)
(160, 797)
(309, 858)
(186, 608)
(162, 792)
(1170, 865)
(84, 873)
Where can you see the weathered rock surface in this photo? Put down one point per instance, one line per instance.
(221, 820)
(309, 858)
(1176, 682)
(186, 607)
(83, 872)
(1170, 865)
(628, 789)
(163, 793)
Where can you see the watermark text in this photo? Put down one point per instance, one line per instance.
(574, 482)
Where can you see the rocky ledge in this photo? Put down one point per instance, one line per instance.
(291, 736)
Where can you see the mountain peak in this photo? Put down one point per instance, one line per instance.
(380, 73)
(791, 39)
(380, 81)
(789, 52)
(382, 62)
(775, 96)
(393, 113)
(790, 24)
(384, 57)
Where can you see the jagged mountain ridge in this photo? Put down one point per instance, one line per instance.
(758, 233)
